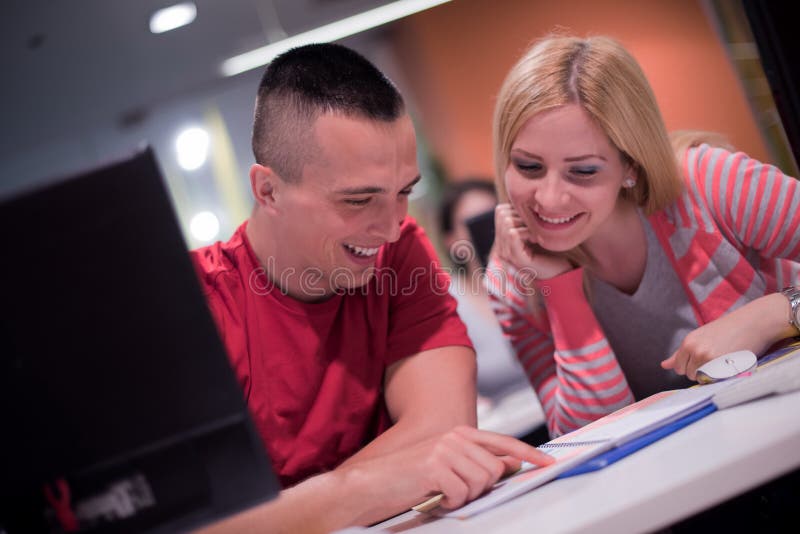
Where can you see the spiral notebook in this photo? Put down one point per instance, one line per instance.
(600, 443)
(614, 436)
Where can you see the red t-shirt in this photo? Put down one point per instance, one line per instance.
(312, 373)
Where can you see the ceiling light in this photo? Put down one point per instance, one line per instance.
(192, 148)
(204, 226)
(330, 32)
(173, 17)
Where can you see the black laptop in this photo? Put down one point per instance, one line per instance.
(120, 412)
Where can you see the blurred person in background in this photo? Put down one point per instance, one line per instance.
(505, 399)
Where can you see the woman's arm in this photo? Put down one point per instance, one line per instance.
(757, 210)
(562, 349)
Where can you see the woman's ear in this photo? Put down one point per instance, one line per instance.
(631, 174)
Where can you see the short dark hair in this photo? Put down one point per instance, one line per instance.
(305, 82)
(452, 193)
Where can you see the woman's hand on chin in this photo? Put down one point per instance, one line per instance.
(513, 244)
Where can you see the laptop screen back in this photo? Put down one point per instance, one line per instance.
(112, 373)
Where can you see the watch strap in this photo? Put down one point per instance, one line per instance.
(793, 294)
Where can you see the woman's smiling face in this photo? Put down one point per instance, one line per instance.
(564, 177)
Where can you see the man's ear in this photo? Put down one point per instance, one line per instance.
(265, 185)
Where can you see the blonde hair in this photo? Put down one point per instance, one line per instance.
(600, 75)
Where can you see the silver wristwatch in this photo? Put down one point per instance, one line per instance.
(793, 294)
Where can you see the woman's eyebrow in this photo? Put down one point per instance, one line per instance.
(585, 156)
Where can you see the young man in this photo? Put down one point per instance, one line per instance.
(335, 312)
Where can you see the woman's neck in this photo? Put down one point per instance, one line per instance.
(618, 250)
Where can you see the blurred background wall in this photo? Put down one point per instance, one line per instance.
(456, 56)
(449, 62)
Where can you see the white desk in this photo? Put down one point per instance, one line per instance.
(708, 462)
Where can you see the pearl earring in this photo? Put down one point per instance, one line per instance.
(628, 183)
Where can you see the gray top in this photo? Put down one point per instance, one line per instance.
(648, 326)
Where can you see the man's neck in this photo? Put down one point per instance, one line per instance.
(284, 275)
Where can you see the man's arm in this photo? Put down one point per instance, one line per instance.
(460, 464)
(433, 448)
(426, 394)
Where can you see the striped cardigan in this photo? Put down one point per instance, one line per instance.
(733, 236)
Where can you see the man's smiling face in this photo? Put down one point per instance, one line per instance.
(349, 202)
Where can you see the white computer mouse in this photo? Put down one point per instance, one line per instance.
(726, 366)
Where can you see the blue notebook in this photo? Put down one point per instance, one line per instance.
(601, 443)
(703, 409)
(612, 455)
